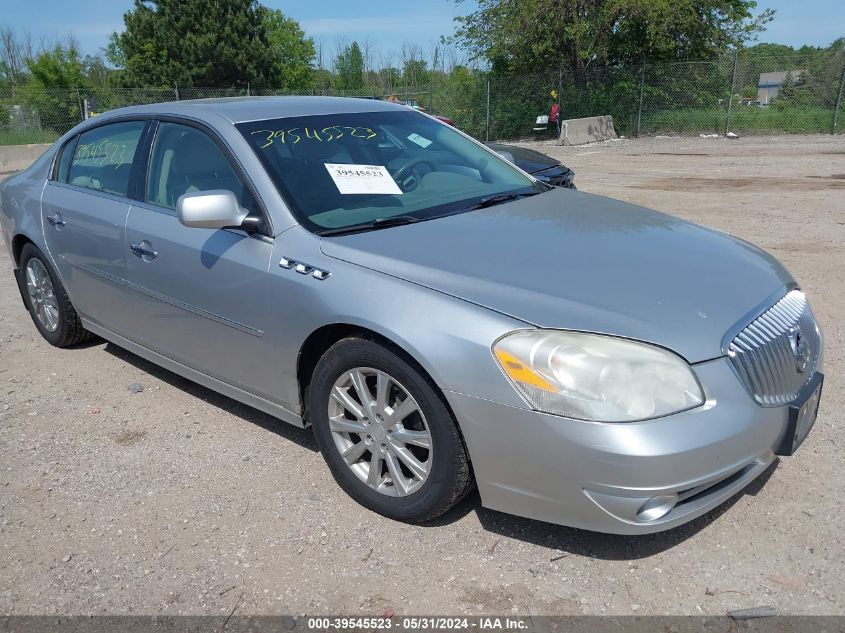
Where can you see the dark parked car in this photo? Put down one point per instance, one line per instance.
(542, 167)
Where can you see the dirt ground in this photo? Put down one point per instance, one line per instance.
(176, 500)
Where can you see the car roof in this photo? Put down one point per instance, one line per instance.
(242, 109)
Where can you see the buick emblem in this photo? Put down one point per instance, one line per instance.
(800, 349)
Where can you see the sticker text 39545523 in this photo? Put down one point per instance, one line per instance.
(367, 179)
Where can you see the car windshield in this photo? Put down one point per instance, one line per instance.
(369, 170)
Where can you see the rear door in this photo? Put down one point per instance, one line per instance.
(201, 295)
(84, 209)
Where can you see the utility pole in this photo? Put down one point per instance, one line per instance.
(731, 95)
(838, 100)
(487, 126)
(79, 101)
(559, 101)
(640, 111)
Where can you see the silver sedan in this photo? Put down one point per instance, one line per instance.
(440, 318)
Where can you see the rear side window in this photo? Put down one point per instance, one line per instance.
(64, 160)
(103, 157)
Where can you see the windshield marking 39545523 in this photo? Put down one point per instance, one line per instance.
(358, 170)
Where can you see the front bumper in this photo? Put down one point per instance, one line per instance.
(559, 176)
(597, 476)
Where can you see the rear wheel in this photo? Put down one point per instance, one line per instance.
(385, 433)
(47, 301)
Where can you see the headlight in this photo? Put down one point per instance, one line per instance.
(595, 377)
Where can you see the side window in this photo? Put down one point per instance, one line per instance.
(103, 157)
(185, 160)
(65, 155)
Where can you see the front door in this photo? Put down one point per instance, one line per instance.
(200, 294)
(84, 209)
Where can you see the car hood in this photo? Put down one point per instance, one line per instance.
(528, 159)
(567, 259)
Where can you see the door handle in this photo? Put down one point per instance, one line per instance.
(140, 250)
(56, 220)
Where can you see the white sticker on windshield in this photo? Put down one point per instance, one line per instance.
(362, 179)
(419, 140)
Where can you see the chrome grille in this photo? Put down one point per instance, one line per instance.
(778, 352)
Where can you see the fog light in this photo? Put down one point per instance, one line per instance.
(657, 507)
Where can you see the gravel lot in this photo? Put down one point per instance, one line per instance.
(177, 500)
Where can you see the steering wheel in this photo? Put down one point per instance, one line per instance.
(410, 167)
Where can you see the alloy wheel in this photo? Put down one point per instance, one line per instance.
(42, 295)
(380, 431)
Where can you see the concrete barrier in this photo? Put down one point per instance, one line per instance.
(17, 157)
(588, 130)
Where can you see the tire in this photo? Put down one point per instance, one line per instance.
(406, 497)
(68, 330)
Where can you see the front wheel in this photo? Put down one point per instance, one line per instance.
(385, 433)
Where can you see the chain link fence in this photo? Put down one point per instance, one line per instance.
(741, 94)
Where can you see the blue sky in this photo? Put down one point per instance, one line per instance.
(387, 23)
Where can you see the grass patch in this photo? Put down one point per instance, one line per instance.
(744, 119)
(26, 137)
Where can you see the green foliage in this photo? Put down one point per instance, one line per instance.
(57, 68)
(5, 75)
(787, 91)
(113, 51)
(291, 50)
(415, 73)
(579, 34)
(210, 43)
(54, 75)
(97, 73)
(462, 97)
(796, 92)
(677, 96)
(772, 57)
(349, 66)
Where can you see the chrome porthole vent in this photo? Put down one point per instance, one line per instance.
(304, 269)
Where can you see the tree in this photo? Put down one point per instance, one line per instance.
(534, 35)
(5, 75)
(57, 68)
(349, 66)
(389, 78)
(766, 57)
(292, 52)
(14, 51)
(53, 75)
(113, 51)
(96, 71)
(820, 68)
(202, 43)
(415, 73)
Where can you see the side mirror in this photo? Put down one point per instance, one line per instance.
(214, 209)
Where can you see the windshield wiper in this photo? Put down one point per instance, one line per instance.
(378, 223)
(399, 220)
(499, 199)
